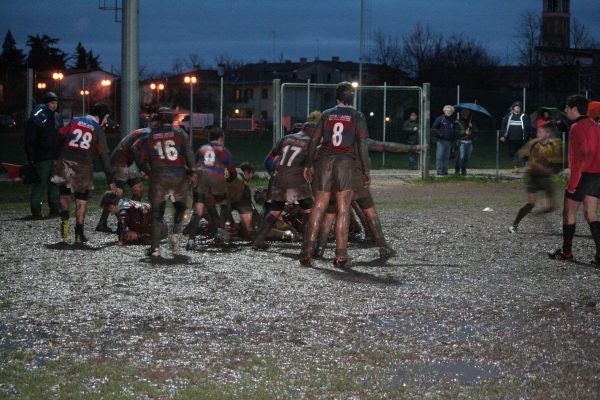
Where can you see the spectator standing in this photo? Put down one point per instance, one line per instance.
(444, 129)
(515, 130)
(583, 185)
(411, 129)
(464, 141)
(42, 147)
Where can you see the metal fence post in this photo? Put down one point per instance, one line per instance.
(29, 93)
(276, 110)
(307, 98)
(384, 120)
(426, 129)
(497, 153)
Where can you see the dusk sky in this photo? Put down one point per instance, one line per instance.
(250, 30)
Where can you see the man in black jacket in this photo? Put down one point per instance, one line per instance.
(42, 145)
(515, 130)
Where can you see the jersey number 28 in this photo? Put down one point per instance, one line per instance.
(81, 139)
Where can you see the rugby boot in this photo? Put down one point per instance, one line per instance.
(596, 260)
(191, 243)
(153, 252)
(386, 252)
(174, 243)
(318, 252)
(559, 255)
(80, 238)
(65, 230)
(103, 227)
(305, 260)
(342, 262)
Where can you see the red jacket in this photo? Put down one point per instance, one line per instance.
(584, 150)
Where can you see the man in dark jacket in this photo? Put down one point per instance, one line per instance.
(42, 146)
(515, 130)
(444, 129)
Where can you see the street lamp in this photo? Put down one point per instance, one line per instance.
(354, 85)
(84, 93)
(105, 83)
(41, 85)
(58, 76)
(158, 87)
(221, 72)
(191, 80)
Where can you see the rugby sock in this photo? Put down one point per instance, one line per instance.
(264, 229)
(193, 226)
(526, 209)
(568, 234)
(103, 218)
(64, 215)
(375, 228)
(157, 227)
(595, 228)
(79, 229)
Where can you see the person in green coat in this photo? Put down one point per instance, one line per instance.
(411, 128)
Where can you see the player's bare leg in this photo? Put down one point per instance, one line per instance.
(224, 214)
(374, 224)
(198, 211)
(326, 226)
(246, 221)
(312, 228)
(342, 224)
(158, 211)
(178, 221)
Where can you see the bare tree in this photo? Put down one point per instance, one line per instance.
(386, 50)
(228, 63)
(529, 38)
(581, 37)
(419, 50)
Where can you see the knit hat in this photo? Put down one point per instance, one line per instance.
(514, 104)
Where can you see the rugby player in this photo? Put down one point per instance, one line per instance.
(74, 168)
(343, 131)
(215, 168)
(544, 159)
(583, 185)
(165, 155)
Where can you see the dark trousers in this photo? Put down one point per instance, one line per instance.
(38, 190)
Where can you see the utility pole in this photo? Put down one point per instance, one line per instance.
(130, 80)
(361, 52)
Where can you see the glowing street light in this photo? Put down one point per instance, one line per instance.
(387, 119)
(58, 76)
(83, 93)
(236, 111)
(354, 84)
(41, 85)
(191, 80)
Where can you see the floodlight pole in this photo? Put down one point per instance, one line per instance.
(426, 129)
(130, 86)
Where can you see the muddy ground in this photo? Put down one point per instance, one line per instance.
(466, 310)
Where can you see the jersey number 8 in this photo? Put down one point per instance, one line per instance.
(168, 149)
(336, 139)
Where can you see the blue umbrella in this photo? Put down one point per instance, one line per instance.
(472, 107)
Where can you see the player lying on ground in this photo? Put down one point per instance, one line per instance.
(544, 159)
(123, 171)
(134, 219)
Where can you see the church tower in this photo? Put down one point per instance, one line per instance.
(556, 23)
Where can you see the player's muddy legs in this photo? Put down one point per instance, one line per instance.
(312, 228)
(342, 222)
(158, 211)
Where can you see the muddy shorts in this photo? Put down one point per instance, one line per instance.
(210, 184)
(334, 173)
(168, 187)
(122, 174)
(244, 205)
(78, 177)
(535, 182)
(589, 185)
(291, 195)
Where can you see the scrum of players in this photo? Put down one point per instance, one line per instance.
(319, 181)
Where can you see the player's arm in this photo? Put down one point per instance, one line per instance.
(312, 150)
(363, 150)
(121, 225)
(231, 169)
(140, 156)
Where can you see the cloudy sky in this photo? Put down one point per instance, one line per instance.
(250, 30)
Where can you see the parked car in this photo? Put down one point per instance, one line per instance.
(7, 122)
(201, 120)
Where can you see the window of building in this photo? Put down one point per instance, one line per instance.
(552, 5)
(264, 114)
(237, 95)
(566, 7)
(328, 77)
(248, 94)
(264, 94)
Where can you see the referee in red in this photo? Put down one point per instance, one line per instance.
(583, 185)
